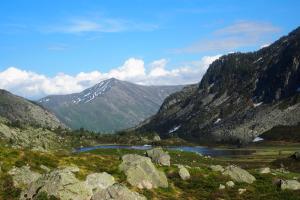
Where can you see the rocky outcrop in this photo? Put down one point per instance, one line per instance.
(60, 183)
(239, 175)
(289, 184)
(241, 96)
(100, 180)
(141, 172)
(265, 170)
(20, 111)
(183, 173)
(230, 184)
(216, 168)
(23, 176)
(159, 156)
(116, 192)
(296, 156)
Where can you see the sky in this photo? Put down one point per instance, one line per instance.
(64, 46)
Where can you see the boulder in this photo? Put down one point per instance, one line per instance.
(100, 180)
(159, 156)
(141, 172)
(241, 190)
(230, 184)
(296, 156)
(216, 168)
(265, 170)
(221, 187)
(156, 138)
(116, 192)
(61, 184)
(289, 185)
(239, 175)
(23, 176)
(183, 173)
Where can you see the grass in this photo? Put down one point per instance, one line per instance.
(204, 183)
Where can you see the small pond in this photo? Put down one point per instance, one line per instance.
(207, 151)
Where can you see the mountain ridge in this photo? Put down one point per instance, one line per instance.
(19, 110)
(108, 106)
(241, 96)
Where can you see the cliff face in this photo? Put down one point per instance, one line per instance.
(241, 96)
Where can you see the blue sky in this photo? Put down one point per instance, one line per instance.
(55, 40)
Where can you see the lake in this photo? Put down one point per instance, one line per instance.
(207, 151)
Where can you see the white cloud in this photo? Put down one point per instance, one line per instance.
(33, 85)
(97, 24)
(237, 35)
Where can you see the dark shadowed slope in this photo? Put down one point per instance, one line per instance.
(24, 112)
(241, 96)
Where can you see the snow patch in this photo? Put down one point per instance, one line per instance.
(91, 93)
(174, 129)
(257, 139)
(258, 60)
(217, 121)
(257, 104)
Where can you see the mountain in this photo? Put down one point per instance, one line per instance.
(24, 112)
(108, 106)
(241, 96)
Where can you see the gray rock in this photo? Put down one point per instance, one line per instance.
(159, 156)
(117, 192)
(296, 155)
(100, 180)
(230, 184)
(289, 185)
(45, 168)
(265, 170)
(61, 184)
(23, 176)
(238, 174)
(216, 168)
(241, 190)
(141, 172)
(156, 138)
(221, 187)
(183, 173)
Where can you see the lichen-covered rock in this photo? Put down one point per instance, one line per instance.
(216, 168)
(265, 170)
(183, 173)
(61, 184)
(159, 156)
(289, 185)
(100, 180)
(23, 176)
(230, 184)
(117, 192)
(141, 172)
(238, 174)
(221, 187)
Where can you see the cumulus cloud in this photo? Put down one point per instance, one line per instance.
(33, 85)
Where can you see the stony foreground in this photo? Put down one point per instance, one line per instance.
(131, 174)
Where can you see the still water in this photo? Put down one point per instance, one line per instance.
(207, 151)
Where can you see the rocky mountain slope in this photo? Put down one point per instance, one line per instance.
(241, 96)
(21, 111)
(109, 105)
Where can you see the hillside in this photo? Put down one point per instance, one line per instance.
(22, 111)
(241, 96)
(108, 106)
